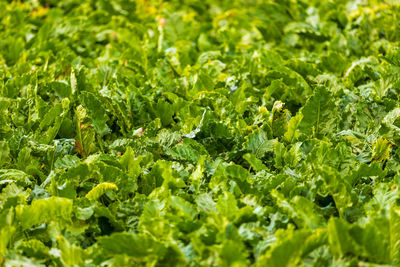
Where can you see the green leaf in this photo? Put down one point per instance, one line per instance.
(164, 111)
(340, 241)
(205, 203)
(99, 190)
(188, 150)
(287, 250)
(197, 176)
(97, 112)
(301, 210)
(233, 254)
(292, 133)
(34, 248)
(44, 210)
(66, 162)
(11, 175)
(319, 114)
(254, 162)
(381, 150)
(259, 144)
(202, 82)
(61, 89)
(7, 230)
(130, 163)
(137, 246)
(71, 254)
(394, 235)
(183, 207)
(280, 152)
(237, 172)
(293, 155)
(4, 154)
(4, 106)
(227, 205)
(338, 187)
(51, 122)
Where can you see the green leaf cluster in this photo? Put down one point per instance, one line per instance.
(199, 133)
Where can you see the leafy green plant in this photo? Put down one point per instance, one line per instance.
(199, 133)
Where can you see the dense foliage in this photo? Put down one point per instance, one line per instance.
(199, 133)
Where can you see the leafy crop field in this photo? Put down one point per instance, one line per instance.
(200, 133)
